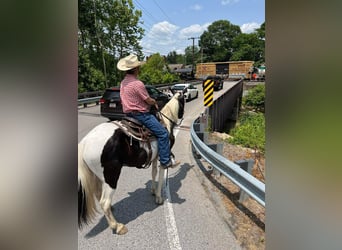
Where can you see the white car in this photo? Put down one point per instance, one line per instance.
(189, 91)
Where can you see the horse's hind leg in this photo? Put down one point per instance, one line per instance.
(106, 202)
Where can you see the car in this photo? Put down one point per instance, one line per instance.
(189, 91)
(218, 82)
(110, 102)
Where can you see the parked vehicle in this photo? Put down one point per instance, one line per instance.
(111, 107)
(218, 82)
(189, 91)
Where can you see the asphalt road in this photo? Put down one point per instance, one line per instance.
(188, 219)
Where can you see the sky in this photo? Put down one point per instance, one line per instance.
(170, 24)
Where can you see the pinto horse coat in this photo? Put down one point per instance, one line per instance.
(104, 151)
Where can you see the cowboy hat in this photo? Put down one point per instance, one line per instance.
(129, 62)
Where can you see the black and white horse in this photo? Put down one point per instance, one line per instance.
(104, 151)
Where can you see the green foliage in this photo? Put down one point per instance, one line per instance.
(224, 41)
(174, 58)
(250, 132)
(247, 47)
(154, 71)
(255, 98)
(217, 40)
(107, 31)
(89, 77)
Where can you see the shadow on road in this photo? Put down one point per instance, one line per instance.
(141, 201)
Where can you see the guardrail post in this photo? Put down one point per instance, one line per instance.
(218, 148)
(198, 128)
(246, 165)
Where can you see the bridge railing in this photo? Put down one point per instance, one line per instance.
(226, 107)
(248, 183)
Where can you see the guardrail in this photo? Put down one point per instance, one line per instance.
(248, 183)
(86, 101)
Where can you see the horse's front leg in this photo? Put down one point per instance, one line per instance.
(106, 203)
(159, 198)
(154, 174)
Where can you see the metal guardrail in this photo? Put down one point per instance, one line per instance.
(86, 101)
(90, 94)
(248, 183)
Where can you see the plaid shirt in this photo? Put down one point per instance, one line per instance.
(133, 95)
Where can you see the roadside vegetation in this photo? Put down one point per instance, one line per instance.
(250, 129)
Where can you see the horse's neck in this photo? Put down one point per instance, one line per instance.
(167, 118)
(168, 125)
(169, 112)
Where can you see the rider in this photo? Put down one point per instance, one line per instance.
(136, 103)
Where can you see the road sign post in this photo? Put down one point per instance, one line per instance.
(208, 93)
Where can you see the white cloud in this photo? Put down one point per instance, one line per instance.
(160, 38)
(249, 27)
(225, 2)
(196, 7)
(165, 37)
(193, 30)
(163, 30)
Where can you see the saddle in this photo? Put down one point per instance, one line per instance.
(135, 129)
(132, 127)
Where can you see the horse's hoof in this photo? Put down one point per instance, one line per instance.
(121, 229)
(159, 200)
(153, 192)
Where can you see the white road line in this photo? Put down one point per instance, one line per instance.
(172, 232)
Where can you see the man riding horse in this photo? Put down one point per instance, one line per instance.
(136, 103)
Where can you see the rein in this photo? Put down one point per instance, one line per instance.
(174, 123)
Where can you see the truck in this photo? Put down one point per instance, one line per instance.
(230, 69)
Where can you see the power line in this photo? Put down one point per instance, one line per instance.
(163, 11)
(148, 15)
(146, 11)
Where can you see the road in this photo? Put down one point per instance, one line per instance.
(188, 219)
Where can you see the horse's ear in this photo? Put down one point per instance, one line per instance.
(172, 91)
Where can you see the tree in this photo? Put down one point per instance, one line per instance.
(107, 30)
(261, 31)
(189, 56)
(217, 41)
(261, 35)
(246, 47)
(155, 71)
(171, 58)
(174, 58)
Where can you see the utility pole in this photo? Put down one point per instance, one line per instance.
(193, 54)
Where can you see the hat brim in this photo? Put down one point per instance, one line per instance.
(123, 67)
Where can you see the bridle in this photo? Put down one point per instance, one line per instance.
(174, 123)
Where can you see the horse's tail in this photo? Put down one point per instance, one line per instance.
(88, 183)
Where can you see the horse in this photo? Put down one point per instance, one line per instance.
(105, 150)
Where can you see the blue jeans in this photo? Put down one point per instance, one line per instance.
(151, 122)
